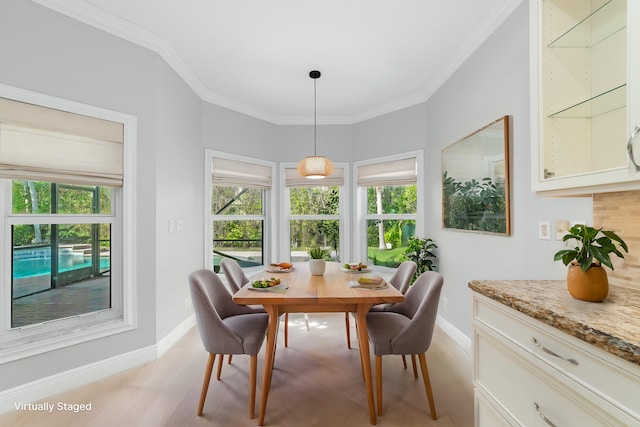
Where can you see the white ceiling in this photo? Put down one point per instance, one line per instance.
(254, 56)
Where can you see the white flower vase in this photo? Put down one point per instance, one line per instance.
(317, 266)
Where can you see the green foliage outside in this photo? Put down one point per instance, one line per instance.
(474, 205)
(29, 197)
(386, 257)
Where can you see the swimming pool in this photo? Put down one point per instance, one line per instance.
(36, 261)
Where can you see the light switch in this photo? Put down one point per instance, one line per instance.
(561, 226)
(172, 226)
(179, 225)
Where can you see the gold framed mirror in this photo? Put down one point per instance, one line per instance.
(475, 181)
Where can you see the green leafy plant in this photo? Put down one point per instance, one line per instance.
(421, 252)
(317, 252)
(595, 246)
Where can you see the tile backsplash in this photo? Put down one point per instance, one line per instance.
(620, 212)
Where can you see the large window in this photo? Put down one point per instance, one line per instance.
(60, 268)
(315, 214)
(65, 206)
(239, 190)
(390, 207)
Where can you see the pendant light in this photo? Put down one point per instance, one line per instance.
(315, 167)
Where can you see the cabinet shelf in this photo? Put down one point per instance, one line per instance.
(599, 25)
(599, 104)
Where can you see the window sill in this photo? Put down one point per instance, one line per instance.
(22, 347)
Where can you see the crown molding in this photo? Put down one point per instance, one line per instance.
(95, 17)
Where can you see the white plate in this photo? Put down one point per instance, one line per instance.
(355, 284)
(279, 270)
(280, 287)
(348, 270)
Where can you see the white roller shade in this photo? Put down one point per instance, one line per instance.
(396, 172)
(236, 173)
(293, 179)
(45, 144)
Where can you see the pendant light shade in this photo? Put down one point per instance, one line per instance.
(315, 167)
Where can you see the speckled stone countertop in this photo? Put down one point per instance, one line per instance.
(612, 325)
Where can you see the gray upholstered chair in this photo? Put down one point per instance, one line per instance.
(407, 329)
(401, 280)
(225, 328)
(237, 279)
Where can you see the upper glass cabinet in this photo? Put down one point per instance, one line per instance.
(584, 108)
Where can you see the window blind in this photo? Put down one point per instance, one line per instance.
(293, 179)
(395, 172)
(45, 144)
(236, 173)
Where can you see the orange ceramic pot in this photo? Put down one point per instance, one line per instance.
(591, 285)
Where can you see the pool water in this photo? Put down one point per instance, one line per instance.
(42, 266)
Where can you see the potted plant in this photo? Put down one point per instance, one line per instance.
(421, 252)
(586, 276)
(318, 260)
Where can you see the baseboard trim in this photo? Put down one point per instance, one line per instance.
(456, 335)
(172, 337)
(54, 384)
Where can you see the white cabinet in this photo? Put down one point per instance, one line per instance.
(585, 95)
(526, 373)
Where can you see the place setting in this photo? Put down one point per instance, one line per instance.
(282, 267)
(272, 284)
(369, 282)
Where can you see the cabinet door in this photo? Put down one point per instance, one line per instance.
(583, 103)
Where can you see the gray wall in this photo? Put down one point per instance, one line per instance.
(492, 83)
(46, 52)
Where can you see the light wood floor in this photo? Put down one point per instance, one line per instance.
(317, 381)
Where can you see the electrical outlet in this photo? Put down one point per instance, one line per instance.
(187, 304)
(444, 303)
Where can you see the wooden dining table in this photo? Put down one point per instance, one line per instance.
(303, 293)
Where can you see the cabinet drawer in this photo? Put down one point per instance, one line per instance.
(528, 394)
(582, 364)
(487, 415)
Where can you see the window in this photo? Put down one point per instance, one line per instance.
(315, 213)
(239, 193)
(61, 267)
(390, 206)
(65, 203)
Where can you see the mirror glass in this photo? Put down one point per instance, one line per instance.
(475, 181)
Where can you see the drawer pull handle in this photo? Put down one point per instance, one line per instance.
(544, 418)
(554, 354)
(630, 148)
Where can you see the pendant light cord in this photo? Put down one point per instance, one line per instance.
(315, 118)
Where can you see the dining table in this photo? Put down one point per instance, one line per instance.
(301, 292)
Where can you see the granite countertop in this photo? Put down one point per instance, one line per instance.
(612, 325)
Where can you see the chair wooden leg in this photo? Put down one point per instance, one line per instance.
(205, 383)
(229, 360)
(252, 385)
(348, 326)
(379, 383)
(404, 361)
(415, 369)
(427, 385)
(286, 329)
(219, 367)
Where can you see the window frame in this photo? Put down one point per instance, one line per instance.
(286, 217)
(268, 204)
(362, 216)
(26, 341)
